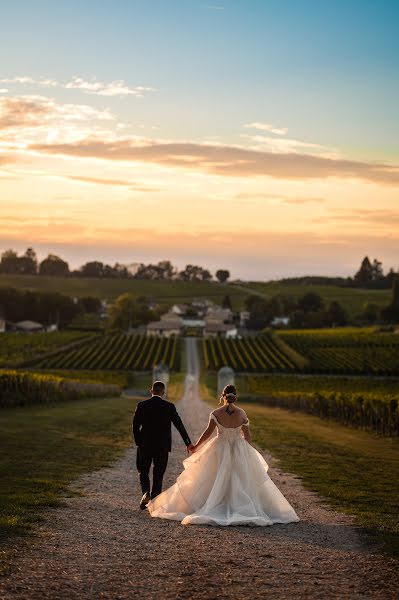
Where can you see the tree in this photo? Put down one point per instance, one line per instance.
(370, 313)
(9, 262)
(43, 307)
(390, 313)
(376, 270)
(166, 270)
(222, 275)
(336, 314)
(93, 268)
(365, 273)
(90, 304)
(226, 302)
(127, 312)
(195, 273)
(54, 266)
(29, 262)
(310, 302)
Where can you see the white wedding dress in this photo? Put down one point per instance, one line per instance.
(224, 483)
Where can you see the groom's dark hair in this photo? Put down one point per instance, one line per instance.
(158, 387)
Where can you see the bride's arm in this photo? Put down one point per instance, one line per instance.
(246, 432)
(206, 434)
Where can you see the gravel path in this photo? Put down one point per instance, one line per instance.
(102, 546)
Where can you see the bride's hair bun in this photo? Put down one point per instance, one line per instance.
(229, 394)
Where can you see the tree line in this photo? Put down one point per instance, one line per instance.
(369, 275)
(44, 307)
(54, 266)
(311, 311)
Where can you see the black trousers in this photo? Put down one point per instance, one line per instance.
(145, 458)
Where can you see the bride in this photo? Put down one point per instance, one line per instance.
(225, 480)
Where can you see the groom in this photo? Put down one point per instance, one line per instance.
(153, 437)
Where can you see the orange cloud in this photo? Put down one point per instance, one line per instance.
(22, 112)
(232, 161)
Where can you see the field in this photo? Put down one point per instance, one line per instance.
(246, 354)
(117, 352)
(44, 449)
(163, 292)
(19, 388)
(346, 351)
(341, 464)
(365, 403)
(16, 348)
(343, 352)
(170, 292)
(352, 299)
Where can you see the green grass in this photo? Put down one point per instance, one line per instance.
(164, 292)
(169, 292)
(355, 471)
(352, 299)
(43, 449)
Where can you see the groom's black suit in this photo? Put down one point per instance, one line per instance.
(152, 431)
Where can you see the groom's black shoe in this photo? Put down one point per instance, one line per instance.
(145, 500)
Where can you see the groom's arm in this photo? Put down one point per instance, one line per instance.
(137, 425)
(178, 423)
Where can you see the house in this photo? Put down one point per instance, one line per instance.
(280, 322)
(28, 326)
(244, 317)
(195, 322)
(169, 324)
(180, 309)
(218, 313)
(216, 328)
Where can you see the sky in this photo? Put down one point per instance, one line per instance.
(253, 135)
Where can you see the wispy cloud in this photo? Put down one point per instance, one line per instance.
(88, 86)
(279, 198)
(267, 127)
(215, 7)
(287, 145)
(376, 217)
(117, 182)
(224, 160)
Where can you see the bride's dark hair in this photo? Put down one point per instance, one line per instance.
(229, 394)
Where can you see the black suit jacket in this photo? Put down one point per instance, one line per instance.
(152, 424)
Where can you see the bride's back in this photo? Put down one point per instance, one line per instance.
(236, 419)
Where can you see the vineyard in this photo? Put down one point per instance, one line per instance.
(337, 353)
(119, 352)
(19, 347)
(346, 352)
(247, 354)
(365, 404)
(18, 388)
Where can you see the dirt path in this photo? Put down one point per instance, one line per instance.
(102, 546)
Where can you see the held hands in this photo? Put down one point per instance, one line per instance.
(190, 448)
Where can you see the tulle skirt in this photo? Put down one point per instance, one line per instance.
(224, 483)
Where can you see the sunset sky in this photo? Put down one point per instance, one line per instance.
(257, 136)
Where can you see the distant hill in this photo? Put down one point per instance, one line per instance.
(169, 292)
